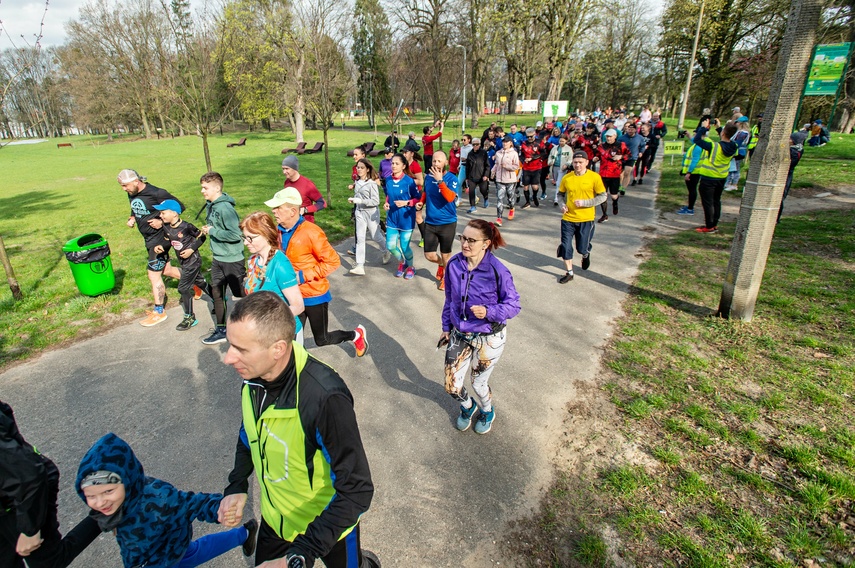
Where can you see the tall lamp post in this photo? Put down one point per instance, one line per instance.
(691, 69)
(463, 126)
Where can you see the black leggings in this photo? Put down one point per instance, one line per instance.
(692, 186)
(483, 187)
(646, 160)
(318, 316)
(711, 190)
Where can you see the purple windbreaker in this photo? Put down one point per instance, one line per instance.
(490, 284)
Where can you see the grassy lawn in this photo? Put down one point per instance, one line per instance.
(52, 195)
(729, 443)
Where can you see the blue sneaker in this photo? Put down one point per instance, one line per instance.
(484, 421)
(486, 203)
(473, 209)
(465, 418)
(685, 211)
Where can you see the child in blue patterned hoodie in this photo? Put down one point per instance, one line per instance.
(152, 520)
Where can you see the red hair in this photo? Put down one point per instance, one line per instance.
(488, 231)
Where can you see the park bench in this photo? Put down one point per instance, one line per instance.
(242, 142)
(65, 145)
(316, 148)
(298, 149)
(366, 147)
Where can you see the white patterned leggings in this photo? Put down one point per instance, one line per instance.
(476, 353)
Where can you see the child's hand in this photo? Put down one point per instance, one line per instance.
(230, 513)
(132, 222)
(27, 544)
(158, 249)
(186, 253)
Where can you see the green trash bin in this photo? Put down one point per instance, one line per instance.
(89, 259)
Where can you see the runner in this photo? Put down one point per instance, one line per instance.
(313, 201)
(428, 140)
(559, 157)
(611, 157)
(268, 267)
(438, 201)
(505, 171)
(477, 175)
(414, 170)
(479, 301)
(713, 169)
(635, 144)
(581, 191)
(402, 195)
(313, 258)
(532, 159)
(143, 196)
(366, 200)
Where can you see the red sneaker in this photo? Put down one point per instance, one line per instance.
(510, 214)
(361, 341)
(498, 221)
(441, 284)
(706, 230)
(440, 272)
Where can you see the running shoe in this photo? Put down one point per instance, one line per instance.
(187, 323)
(685, 211)
(566, 278)
(411, 271)
(641, 181)
(422, 243)
(352, 251)
(486, 203)
(603, 219)
(197, 292)
(472, 210)
(526, 205)
(586, 261)
(153, 318)
(536, 202)
(358, 270)
(498, 221)
(251, 537)
(440, 272)
(706, 230)
(441, 285)
(465, 418)
(387, 256)
(360, 341)
(543, 196)
(218, 335)
(614, 207)
(510, 214)
(401, 268)
(622, 191)
(485, 421)
(634, 182)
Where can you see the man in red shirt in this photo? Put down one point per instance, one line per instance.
(533, 160)
(313, 201)
(427, 142)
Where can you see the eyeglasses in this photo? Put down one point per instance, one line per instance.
(250, 238)
(466, 240)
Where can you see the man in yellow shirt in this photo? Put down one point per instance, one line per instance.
(580, 193)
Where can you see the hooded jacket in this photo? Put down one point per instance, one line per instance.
(155, 523)
(25, 477)
(225, 233)
(490, 284)
(507, 163)
(313, 259)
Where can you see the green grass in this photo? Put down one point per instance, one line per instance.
(747, 425)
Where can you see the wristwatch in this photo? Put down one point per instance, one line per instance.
(295, 561)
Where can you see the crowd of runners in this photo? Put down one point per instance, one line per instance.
(299, 432)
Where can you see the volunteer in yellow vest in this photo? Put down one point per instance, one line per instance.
(755, 135)
(691, 158)
(579, 194)
(299, 435)
(713, 169)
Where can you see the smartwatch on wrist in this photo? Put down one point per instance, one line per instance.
(295, 561)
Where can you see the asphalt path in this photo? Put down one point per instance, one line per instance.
(442, 497)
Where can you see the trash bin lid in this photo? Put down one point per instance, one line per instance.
(84, 242)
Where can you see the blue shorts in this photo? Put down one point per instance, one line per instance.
(582, 233)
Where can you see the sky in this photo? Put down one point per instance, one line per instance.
(22, 17)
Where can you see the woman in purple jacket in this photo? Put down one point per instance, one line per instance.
(480, 298)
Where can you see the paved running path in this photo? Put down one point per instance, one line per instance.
(442, 497)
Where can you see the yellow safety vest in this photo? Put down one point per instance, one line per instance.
(755, 137)
(290, 501)
(714, 164)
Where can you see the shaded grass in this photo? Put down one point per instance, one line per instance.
(748, 426)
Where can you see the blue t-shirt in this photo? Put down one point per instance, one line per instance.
(519, 138)
(634, 143)
(438, 210)
(278, 276)
(404, 189)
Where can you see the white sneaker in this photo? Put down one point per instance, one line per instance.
(358, 270)
(387, 256)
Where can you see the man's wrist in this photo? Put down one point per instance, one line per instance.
(295, 561)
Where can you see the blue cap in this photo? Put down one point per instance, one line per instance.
(742, 118)
(819, 122)
(170, 205)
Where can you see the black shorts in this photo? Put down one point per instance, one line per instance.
(440, 235)
(158, 261)
(228, 274)
(530, 177)
(612, 185)
(628, 163)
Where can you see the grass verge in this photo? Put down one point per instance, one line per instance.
(743, 433)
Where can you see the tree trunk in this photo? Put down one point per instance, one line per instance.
(206, 150)
(144, 119)
(768, 170)
(10, 273)
(327, 164)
